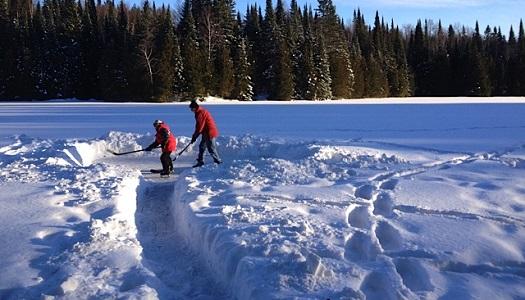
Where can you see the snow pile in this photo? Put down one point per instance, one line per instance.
(98, 255)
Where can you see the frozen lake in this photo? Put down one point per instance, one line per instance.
(452, 127)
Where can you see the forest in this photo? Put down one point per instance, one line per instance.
(62, 49)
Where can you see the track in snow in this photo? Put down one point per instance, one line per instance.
(164, 252)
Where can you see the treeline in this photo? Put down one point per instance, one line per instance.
(69, 49)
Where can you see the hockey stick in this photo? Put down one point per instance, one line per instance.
(180, 153)
(123, 153)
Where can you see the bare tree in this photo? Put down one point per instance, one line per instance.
(146, 52)
(209, 28)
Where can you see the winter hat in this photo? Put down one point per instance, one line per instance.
(194, 104)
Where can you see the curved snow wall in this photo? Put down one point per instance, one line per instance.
(228, 260)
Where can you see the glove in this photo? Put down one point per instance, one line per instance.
(149, 148)
(193, 139)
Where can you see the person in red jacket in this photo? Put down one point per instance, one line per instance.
(205, 126)
(167, 141)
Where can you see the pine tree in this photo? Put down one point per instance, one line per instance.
(283, 85)
(18, 55)
(295, 41)
(337, 50)
(69, 30)
(380, 64)
(53, 53)
(191, 56)
(178, 69)
(38, 49)
(477, 82)
(439, 68)
(357, 55)
(520, 84)
(243, 82)
(359, 67)
(255, 50)
(90, 49)
(164, 52)
(418, 60)
(224, 74)
(6, 59)
(322, 80)
(402, 89)
(268, 53)
(305, 75)
(113, 69)
(282, 82)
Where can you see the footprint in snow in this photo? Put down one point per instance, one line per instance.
(388, 236)
(359, 216)
(384, 205)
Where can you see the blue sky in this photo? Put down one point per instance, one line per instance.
(488, 12)
(501, 13)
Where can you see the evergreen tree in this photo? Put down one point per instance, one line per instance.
(243, 82)
(283, 82)
(512, 72)
(224, 72)
(65, 48)
(38, 55)
(90, 49)
(477, 80)
(377, 79)
(267, 52)
(6, 59)
(357, 55)
(337, 50)
(305, 76)
(191, 55)
(439, 68)
(402, 86)
(520, 84)
(283, 85)
(322, 81)
(112, 72)
(18, 55)
(53, 53)
(419, 60)
(164, 53)
(359, 67)
(296, 37)
(68, 30)
(178, 69)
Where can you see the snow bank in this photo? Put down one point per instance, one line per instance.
(313, 220)
(256, 221)
(98, 256)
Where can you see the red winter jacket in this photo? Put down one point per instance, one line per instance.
(165, 138)
(205, 124)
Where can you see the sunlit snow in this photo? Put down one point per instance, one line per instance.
(338, 200)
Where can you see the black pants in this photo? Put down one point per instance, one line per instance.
(167, 163)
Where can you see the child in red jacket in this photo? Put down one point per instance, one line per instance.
(167, 141)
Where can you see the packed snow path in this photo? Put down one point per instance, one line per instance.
(164, 251)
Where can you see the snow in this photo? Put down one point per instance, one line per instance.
(338, 200)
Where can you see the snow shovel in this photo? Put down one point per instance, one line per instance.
(177, 156)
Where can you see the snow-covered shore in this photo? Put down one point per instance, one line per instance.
(431, 214)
